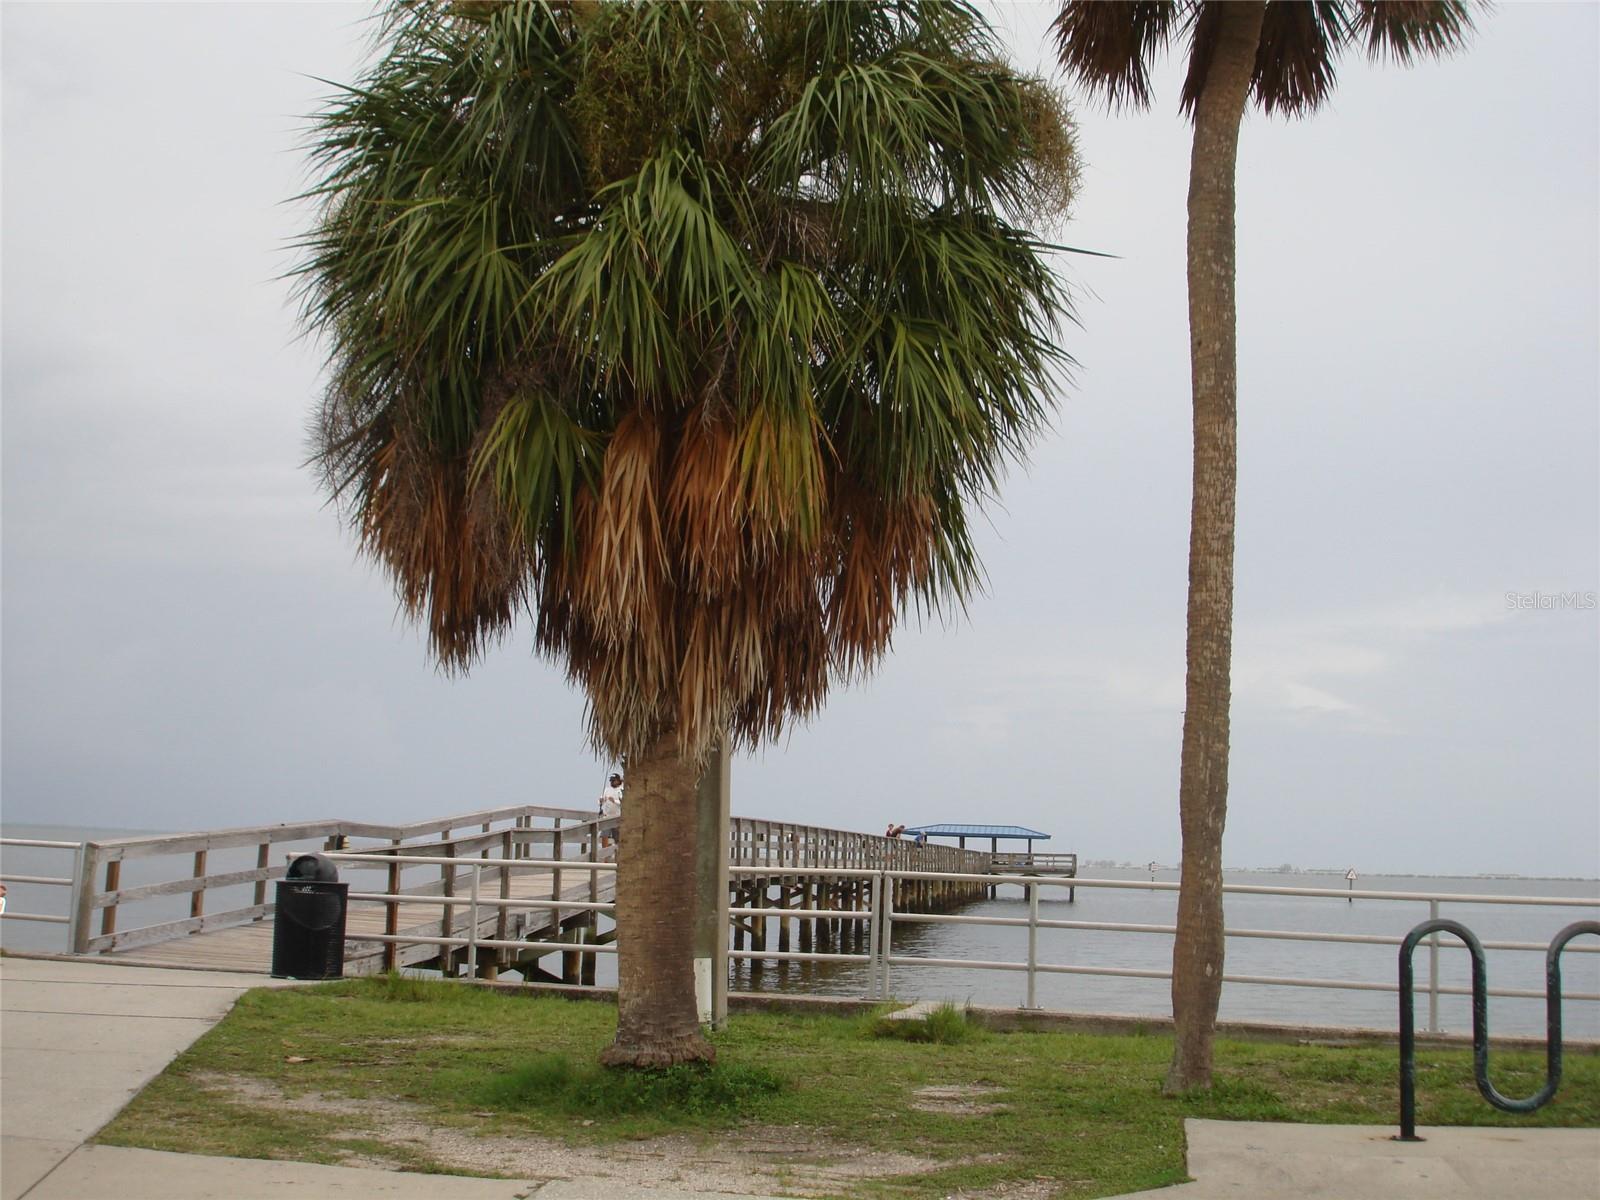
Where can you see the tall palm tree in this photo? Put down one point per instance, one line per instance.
(695, 330)
(1281, 54)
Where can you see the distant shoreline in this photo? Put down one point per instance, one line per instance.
(1085, 868)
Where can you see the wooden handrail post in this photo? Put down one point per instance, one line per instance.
(557, 852)
(502, 922)
(263, 861)
(83, 916)
(197, 898)
(593, 922)
(447, 915)
(391, 915)
(108, 914)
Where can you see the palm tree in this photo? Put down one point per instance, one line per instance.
(1280, 53)
(694, 330)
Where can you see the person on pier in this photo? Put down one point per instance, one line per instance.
(611, 806)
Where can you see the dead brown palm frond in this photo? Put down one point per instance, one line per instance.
(703, 507)
(719, 655)
(630, 683)
(787, 582)
(1406, 30)
(794, 668)
(1301, 40)
(1203, 20)
(1108, 45)
(455, 556)
(1294, 70)
(624, 567)
(884, 554)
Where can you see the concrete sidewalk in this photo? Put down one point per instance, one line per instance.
(79, 1039)
(1258, 1159)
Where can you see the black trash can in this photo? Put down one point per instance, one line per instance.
(308, 934)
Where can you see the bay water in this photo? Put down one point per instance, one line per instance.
(1299, 1005)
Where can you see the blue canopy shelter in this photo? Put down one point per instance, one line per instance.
(1017, 833)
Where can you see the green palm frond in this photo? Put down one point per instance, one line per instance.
(696, 329)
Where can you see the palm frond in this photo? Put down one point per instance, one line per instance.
(1294, 70)
(1107, 45)
(1405, 30)
(695, 330)
(1202, 23)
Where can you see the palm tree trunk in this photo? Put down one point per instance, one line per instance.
(657, 1021)
(1197, 952)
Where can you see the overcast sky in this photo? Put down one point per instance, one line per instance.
(189, 640)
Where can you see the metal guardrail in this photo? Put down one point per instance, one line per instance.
(881, 916)
(1480, 1022)
(9, 911)
(757, 848)
(475, 902)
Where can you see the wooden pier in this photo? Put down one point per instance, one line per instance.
(500, 889)
(800, 854)
(231, 909)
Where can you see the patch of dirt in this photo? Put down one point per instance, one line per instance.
(1022, 1189)
(962, 1100)
(790, 1161)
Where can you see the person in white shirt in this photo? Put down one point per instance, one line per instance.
(611, 805)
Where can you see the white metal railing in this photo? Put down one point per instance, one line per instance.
(70, 882)
(776, 846)
(882, 916)
(475, 901)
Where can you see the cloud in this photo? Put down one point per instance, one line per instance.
(1295, 667)
(1333, 664)
(1306, 699)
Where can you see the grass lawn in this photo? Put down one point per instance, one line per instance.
(351, 1071)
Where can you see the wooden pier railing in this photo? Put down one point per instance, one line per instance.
(758, 843)
(225, 872)
(1034, 864)
(798, 854)
(131, 892)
